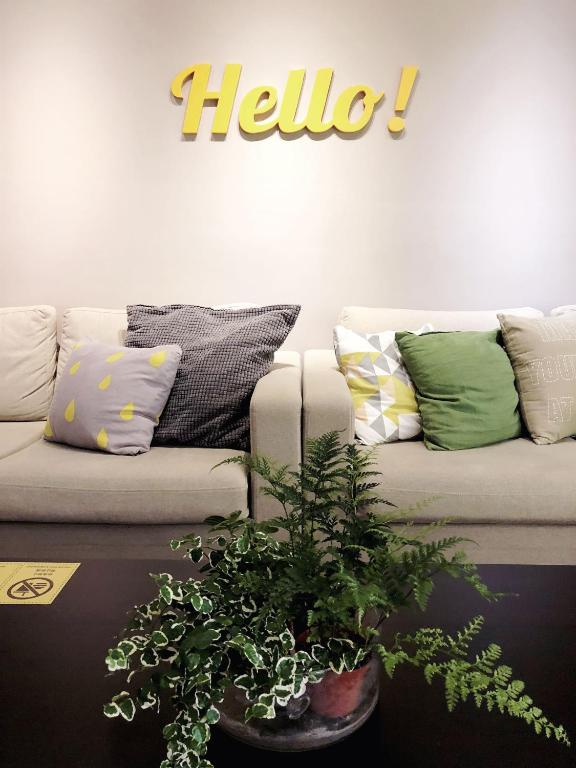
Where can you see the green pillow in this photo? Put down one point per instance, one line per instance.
(464, 387)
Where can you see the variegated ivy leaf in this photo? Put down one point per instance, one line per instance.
(207, 605)
(202, 699)
(316, 675)
(212, 716)
(147, 699)
(149, 658)
(159, 638)
(260, 711)
(248, 605)
(283, 694)
(116, 659)
(162, 578)
(242, 544)
(217, 695)
(169, 653)
(196, 601)
(337, 666)
(214, 557)
(287, 640)
(200, 638)
(192, 540)
(253, 655)
(176, 630)
(352, 660)
(286, 667)
(340, 644)
(221, 620)
(177, 591)
(128, 647)
(125, 705)
(200, 733)
(303, 657)
(171, 730)
(192, 660)
(170, 680)
(320, 654)
(299, 686)
(202, 678)
(196, 554)
(244, 682)
(166, 594)
(111, 710)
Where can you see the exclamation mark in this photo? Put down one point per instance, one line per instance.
(407, 79)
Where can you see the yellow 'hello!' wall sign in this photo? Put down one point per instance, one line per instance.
(261, 102)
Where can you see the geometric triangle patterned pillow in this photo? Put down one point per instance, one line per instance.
(385, 408)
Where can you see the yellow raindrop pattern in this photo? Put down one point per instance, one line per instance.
(127, 413)
(115, 357)
(102, 439)
(157, 359)
(70, 411)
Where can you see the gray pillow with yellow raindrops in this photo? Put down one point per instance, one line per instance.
(109, 398)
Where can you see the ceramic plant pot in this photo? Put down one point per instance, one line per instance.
(327, 712)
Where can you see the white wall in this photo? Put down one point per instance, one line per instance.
(102, 203)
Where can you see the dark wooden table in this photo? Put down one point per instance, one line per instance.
(53, 681)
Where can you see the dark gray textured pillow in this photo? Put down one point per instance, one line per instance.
(224, 354)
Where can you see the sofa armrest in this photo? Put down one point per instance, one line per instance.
(276, 424)
(326, 398)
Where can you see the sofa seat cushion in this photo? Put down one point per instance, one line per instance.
(15, 435)
(48, 482)
(514, 482)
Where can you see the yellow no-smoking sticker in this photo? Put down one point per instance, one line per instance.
(33, 583)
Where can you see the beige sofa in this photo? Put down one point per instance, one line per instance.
(61, 502)
(517, 500)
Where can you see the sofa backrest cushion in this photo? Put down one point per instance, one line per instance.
(378, 319)
(27, 362)
(107, 326)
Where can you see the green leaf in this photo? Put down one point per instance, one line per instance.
(214, 520)
(192, 660)
(212, 716)
(127, 709)
(166, 594)
(200, 638)
(159, 638)
(170, 731)
(260, 711)
(245, 682)
(111, 710)
(197, 602)
(200, 733)
(286, 667)
(253, 656)
(149, 658)
(116, 659)
(287, 640)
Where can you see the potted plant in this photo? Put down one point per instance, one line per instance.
(279, 635)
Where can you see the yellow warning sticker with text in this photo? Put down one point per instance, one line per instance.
(33, 583)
